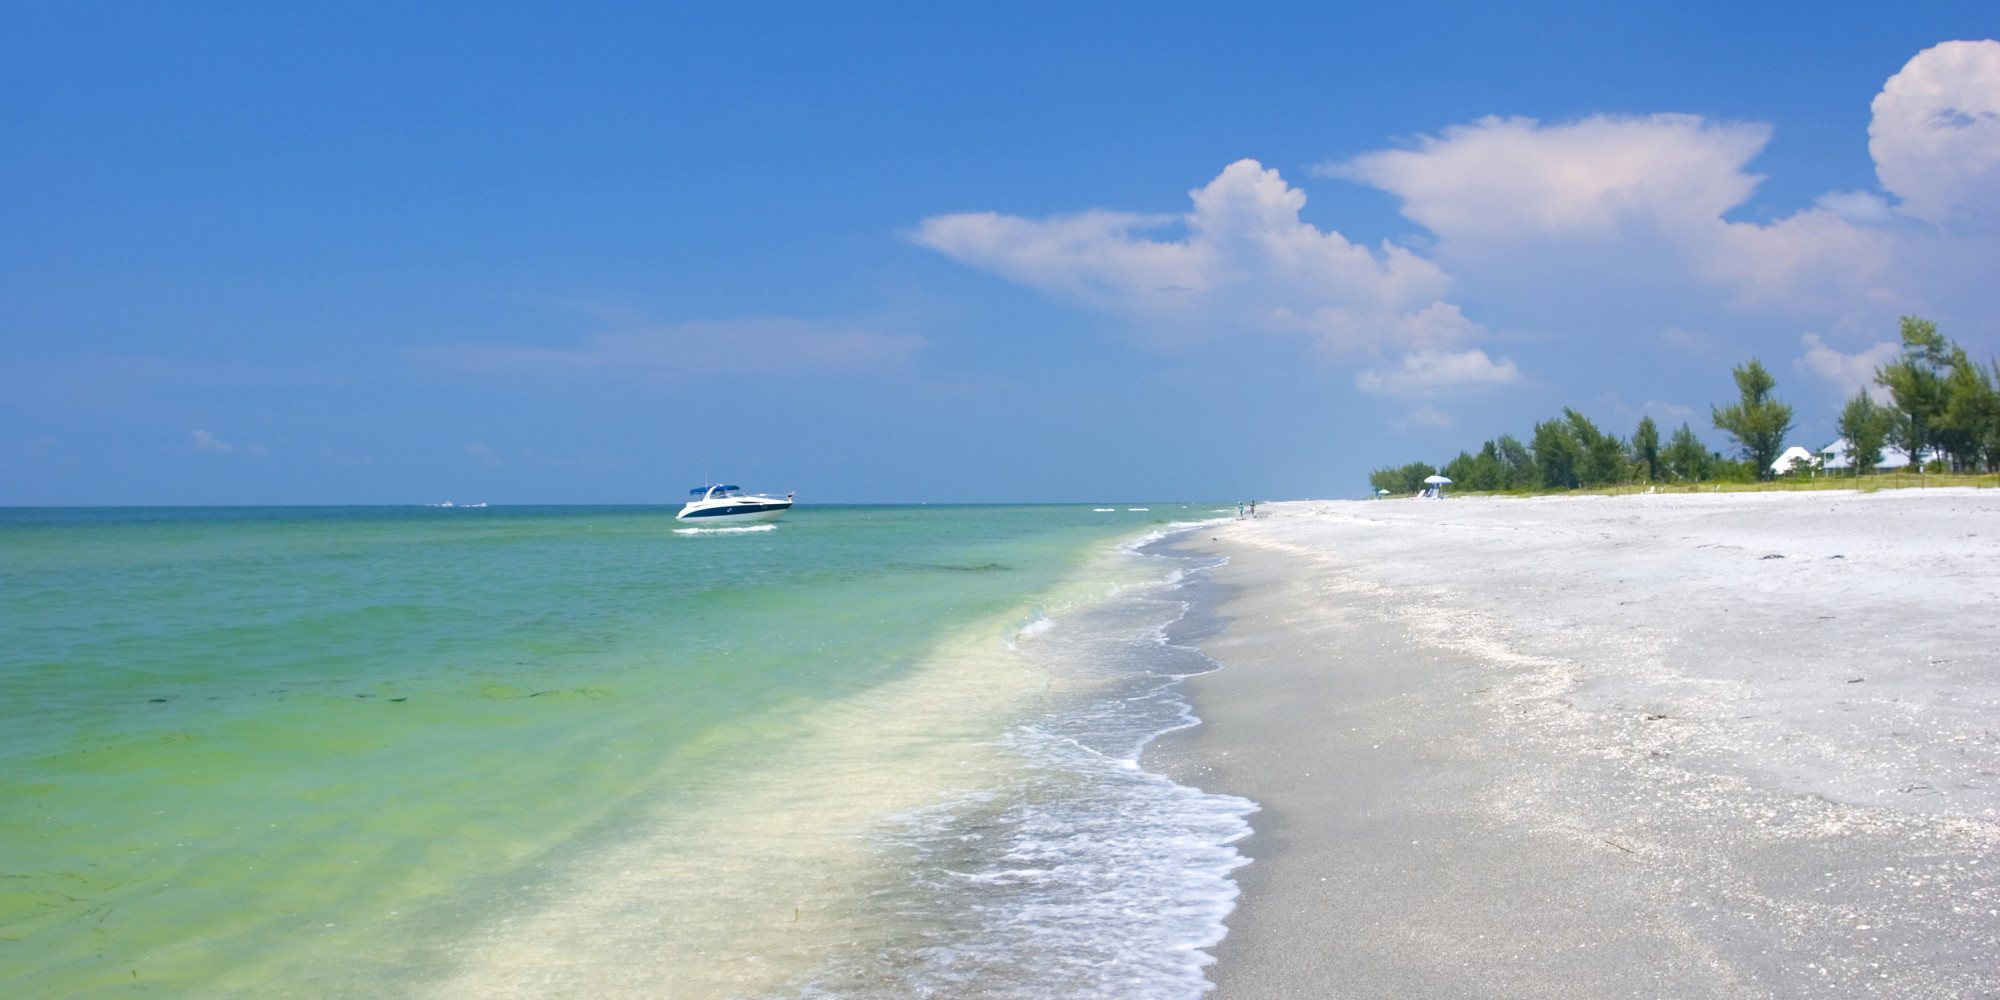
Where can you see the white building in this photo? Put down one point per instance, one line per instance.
(1792, 457)
(1834, 456)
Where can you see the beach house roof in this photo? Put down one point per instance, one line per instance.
(1792, 457)
(1834, 456)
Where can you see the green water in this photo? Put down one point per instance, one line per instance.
(236, 742)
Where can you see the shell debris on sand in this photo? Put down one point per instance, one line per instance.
(1604, 746)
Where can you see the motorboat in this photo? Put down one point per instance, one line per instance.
(730, 505)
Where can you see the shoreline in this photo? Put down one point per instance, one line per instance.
(1736, 744)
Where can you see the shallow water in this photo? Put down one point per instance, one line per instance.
(871, 752)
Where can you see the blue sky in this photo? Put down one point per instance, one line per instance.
(400, 253)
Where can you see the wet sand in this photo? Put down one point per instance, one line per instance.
(1735, 745)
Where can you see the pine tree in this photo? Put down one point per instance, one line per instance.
(1916, 383)
(1646, 449)
(1520, 463)
(1865, 425)
(1687, 459)
(1965, 429)
(1758, 421)
(1600, 456)
(1556, 455)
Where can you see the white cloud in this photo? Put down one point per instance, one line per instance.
(1438, 325)
(1610, 212)
(1433, 372)
(1860, 207)
(1848, 372)
(1341, 331)
(1243, 257)
(1627, 200)
(1635, 199)
(1935, 135)
(204, 441)
(1093, 257)
(755, 345)
(1501, 178)
(1671, 410)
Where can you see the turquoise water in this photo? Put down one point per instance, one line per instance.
(579, 752)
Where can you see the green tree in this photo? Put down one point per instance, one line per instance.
(1757, 420)
(1646, 449)
(1990, 434)
(1601, 456)
(1404, 479)
(1557, 455)
(1489, 471)
(1521, 472)
(1463, 471)
(1865, 425)
(1485, 471)
(1967, 428)
(1916, 384)
(1686, 458)
(1730, 470)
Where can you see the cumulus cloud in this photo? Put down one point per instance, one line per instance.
(739, 346)
(1432, 372)
(1342, 330)
(1500, 178)
(1864, 207)
(1098, 258)
(1620, 209)
(1935, 135)
(1627, 196)
(1240, 255)
(1625, 199)
(484, 453)
(1848, 372)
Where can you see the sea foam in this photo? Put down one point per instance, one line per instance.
(1084, 875)
(726, 529)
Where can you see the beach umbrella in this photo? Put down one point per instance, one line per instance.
(1436, 480)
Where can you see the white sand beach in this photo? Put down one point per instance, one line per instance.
(1734, 745)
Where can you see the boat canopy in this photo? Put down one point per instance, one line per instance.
(700, 490)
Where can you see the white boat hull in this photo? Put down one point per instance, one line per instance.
(731, 513)
(721, 504)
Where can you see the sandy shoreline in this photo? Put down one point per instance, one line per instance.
(1596, 747)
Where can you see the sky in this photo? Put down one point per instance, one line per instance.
(400, 253)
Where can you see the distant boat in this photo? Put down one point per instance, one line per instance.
(729, 504)
(1101, 510)
(1138, 508)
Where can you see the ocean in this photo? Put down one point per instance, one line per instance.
(588, 752)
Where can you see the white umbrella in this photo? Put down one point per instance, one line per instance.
(1435, 480)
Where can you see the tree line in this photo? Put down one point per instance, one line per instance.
(1941, 403)
(1943, 406)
